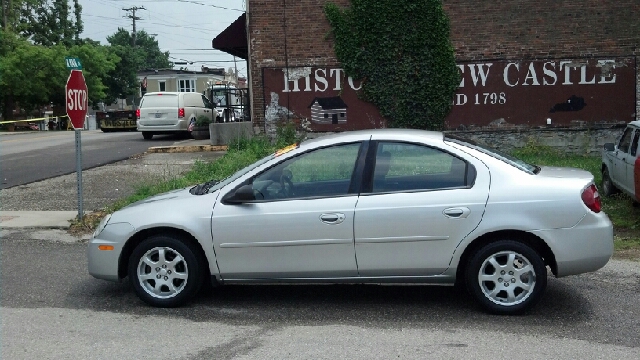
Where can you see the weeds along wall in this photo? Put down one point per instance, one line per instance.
(288, 33)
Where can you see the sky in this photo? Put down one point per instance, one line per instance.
(185, 28)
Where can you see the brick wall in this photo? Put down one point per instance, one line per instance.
(480, 30)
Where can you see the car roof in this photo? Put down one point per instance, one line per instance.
(387, 134)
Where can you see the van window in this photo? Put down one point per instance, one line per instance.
(192, 100)
(156, 100)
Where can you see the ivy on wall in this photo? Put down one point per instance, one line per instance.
(401, 51)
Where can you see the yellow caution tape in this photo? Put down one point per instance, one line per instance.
(31, 120)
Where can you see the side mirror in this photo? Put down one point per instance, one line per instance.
(609, 147)
(243, 194)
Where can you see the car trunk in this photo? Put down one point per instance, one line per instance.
(565, 173)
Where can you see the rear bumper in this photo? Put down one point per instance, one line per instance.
(586, 247)
(149, 125)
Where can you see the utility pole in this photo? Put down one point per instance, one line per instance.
(133, 17)
(6, 7)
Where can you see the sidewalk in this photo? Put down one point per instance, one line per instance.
(37, 219)
(62, 219)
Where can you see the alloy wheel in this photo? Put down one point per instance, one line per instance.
(162, 272)
(507, 278)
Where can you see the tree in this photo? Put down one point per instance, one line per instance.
(123, 81)
(49, 22)
(33, 75)
(402, 52)
(35, 38)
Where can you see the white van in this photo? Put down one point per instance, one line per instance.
(170, 112)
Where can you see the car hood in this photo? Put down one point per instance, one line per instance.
(166, 208)
(565, 173)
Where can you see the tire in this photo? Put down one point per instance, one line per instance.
(608, 188)
(147, 135)
(180, 280)
(502, 291)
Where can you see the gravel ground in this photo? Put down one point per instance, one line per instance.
(101, 186)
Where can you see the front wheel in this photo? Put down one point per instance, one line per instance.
(506, 277)
(608, 188)
(165, 272)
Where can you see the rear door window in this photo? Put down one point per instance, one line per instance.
(157, 100)
(411, 167)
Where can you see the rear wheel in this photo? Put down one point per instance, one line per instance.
(147, 135)
(506, 277)
(608, 188)
(165, 271)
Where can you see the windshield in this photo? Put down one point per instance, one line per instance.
(239, 173)
(511, 160)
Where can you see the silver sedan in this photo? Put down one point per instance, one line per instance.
(379, 206)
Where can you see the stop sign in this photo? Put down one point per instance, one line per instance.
(77, 99)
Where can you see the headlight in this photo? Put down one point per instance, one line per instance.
(102, 225)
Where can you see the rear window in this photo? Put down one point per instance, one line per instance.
(513, 161)
(159, 100)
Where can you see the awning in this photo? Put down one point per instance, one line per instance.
(233, 39)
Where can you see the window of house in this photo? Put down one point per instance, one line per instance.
(410, 167)
(341, 114)
(187, 85)
(162, 85)
(326, 116)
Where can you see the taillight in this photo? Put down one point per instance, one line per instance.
(138, 113)
(181, 112)
(591, 198)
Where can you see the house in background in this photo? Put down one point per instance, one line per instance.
(154, 80)
(328, 110)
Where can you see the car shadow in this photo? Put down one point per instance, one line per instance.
(370, 305)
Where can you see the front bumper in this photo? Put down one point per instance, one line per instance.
(586, 247)
(103, 264)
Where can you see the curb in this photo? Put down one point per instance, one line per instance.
(186, 149)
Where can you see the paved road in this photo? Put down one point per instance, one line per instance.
(40, 155)
(51, 308)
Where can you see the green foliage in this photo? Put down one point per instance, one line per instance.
(286, 135)
(34, 75)
(203, 120)
(123, 80)
(402, 52)
(32, 69)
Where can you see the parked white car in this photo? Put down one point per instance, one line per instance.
(171, 112)
(621, 164)
(392, 206)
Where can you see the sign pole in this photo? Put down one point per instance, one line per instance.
(76, 100)
(79, 171)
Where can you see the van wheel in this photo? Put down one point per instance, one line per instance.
(147, 135)
(608, 188)
(506, 277)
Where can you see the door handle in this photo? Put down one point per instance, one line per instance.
(332, 218)
(457, 212)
